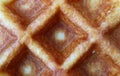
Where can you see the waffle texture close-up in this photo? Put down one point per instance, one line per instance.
(59, 37)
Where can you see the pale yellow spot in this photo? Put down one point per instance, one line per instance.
(60, 35)
(26, 6)
(94, 4)
(1, 39)
(5, 1)
(95, 67)
(4, 74)
(26, 70)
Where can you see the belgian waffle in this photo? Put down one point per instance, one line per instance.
(59, 37)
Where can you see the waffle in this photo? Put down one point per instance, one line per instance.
(59, 38)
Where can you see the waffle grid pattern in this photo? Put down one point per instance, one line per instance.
(89, 32)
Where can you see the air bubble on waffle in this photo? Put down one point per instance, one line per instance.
(60, 35)
(27, 69)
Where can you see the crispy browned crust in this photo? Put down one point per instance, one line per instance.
(59, 37)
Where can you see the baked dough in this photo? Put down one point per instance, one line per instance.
(59, 37)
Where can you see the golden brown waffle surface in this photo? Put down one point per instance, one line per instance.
(59, 37)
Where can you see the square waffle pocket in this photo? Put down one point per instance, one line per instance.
(59, 37)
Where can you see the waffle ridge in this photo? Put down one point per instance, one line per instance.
(59, 38)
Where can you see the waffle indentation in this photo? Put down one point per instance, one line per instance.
(28, 10)
(59, 37)
(114, 36)
(6, 38)
(26, 64)
(94, 11)
(95, 64)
